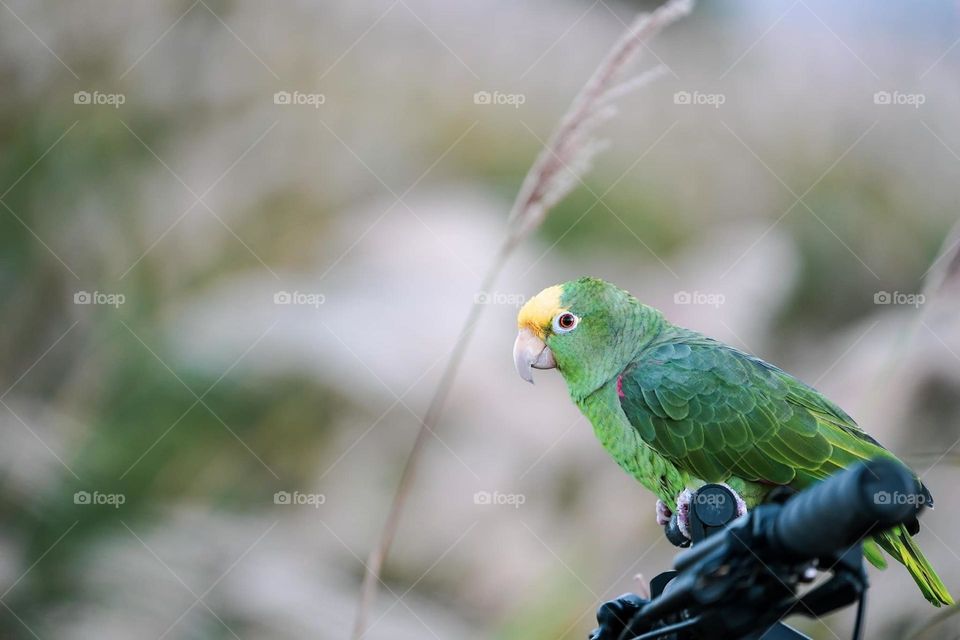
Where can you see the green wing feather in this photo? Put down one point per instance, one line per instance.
(716, 413)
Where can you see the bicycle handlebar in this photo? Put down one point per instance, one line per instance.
(745, 576)
(843, 509)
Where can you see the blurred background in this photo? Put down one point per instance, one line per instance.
(239, 240)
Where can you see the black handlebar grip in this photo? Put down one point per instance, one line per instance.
(839, 511)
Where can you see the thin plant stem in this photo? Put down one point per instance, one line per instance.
(558, 167)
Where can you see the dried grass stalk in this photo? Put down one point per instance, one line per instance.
(944, 271)
(567, 156)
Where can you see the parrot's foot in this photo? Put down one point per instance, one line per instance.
(663, 513)
(683, 512)
(684, 501)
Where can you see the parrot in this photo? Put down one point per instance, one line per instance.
(676, 409)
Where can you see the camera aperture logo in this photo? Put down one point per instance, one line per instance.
(499, 98)
(499, 297)
(698, 98)
(299, 499)
(297, 98)
(899, 298)
(97, 498)
(898, 98)
(100, 298)
(99, 98)
(498, 498)
(699, 298)
(302, 298)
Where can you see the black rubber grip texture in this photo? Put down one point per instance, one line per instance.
(842, 509)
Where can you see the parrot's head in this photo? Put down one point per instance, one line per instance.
(588, 329)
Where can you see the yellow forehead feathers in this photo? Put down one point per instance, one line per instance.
(539, 310)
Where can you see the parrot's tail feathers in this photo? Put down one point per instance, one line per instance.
(898, 543)
(871, 551)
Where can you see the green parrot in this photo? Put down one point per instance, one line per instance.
(677, 409)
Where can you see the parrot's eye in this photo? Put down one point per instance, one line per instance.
(565, 322)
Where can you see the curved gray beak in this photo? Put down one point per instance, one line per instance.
(530, 352)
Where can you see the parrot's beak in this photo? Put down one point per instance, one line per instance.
(530, 352)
